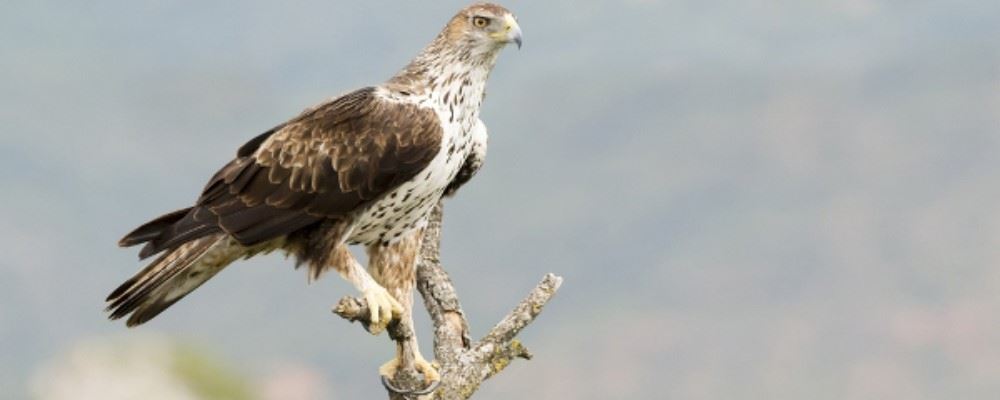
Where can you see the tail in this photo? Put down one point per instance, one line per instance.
(153, 229)
(170, 231)
(171, 277)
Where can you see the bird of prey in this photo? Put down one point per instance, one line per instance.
(362, 169)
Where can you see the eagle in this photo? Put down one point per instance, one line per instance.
(364, 168)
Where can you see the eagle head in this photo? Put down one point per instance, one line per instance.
(485, 27)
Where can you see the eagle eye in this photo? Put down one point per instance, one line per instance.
(480, 22)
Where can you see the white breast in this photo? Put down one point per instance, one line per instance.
(404, 209)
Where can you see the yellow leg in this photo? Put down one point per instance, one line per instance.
(408, 350)
(382, 306)
(394, 266)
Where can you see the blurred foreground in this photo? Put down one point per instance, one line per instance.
(155, 368)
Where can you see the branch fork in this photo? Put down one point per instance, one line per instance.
(463, 364)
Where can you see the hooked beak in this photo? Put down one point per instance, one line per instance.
(513, 30)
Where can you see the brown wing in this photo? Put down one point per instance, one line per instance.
(325, 163)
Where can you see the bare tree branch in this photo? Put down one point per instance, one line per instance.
(524, 313)
(463, 365)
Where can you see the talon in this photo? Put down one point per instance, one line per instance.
(396, 307)
(431, 376)
(389, 369)
(382, 308)
(430, 372)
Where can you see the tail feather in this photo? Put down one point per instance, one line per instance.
(152, 229)
(171, 277)
(130, 283)
(171, 230)
(163, 268)
(172, 238)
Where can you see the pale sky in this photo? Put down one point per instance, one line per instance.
(763, 200)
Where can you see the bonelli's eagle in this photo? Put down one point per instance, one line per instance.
(364, 168)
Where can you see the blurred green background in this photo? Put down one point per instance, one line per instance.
(748, 199)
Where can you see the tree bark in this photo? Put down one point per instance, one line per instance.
(463, 364)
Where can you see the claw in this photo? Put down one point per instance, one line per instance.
(382, 308)
(389, 369)
(431, 376)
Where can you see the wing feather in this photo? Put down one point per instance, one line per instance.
(324, 164)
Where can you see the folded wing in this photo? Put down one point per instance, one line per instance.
(324, 164)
